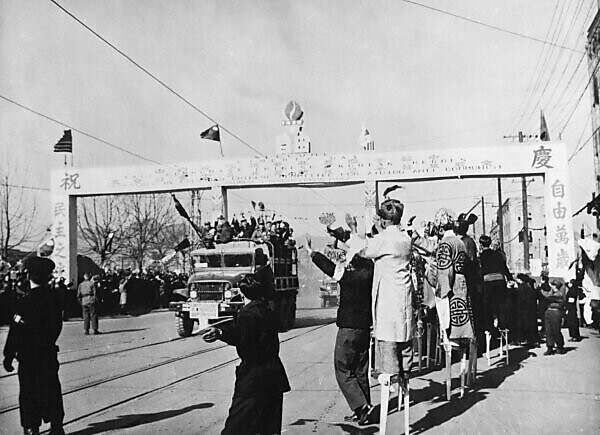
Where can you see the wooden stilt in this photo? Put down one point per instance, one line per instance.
(504, 345)
(448, 350)
(463, 371)
(488, 339)
(405, 393)
(472, 370)
(384, 383)
(419, 352)
(428, 350)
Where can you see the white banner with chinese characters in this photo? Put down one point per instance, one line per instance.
(533, 158)
(559, 222)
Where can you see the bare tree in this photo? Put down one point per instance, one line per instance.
(17, 213)
(101, 222)
(147, 217)
(170, 236)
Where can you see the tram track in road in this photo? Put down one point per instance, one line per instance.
(196, 374)
(110, 353)
(116, 377)
(153, 366)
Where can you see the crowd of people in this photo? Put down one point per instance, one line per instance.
(116, 291)
(265, 227)
(391, 283)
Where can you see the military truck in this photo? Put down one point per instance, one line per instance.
(213, 291)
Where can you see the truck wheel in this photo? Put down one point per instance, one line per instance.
(185, 325)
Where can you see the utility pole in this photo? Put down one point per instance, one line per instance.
(500, 217)
(525, 224)
(482, 215)
(525, 230)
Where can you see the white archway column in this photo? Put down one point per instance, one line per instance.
(64, 223)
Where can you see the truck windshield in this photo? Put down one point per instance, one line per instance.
(213, 260)
(238, 260)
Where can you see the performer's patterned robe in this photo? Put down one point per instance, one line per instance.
(450, 259)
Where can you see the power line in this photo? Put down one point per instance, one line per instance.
(490, 26)
(534, 75)
(562, 74)
(558, 58)
(156, 79)
(577, 150)
(592, 74)
(547, 56)
(27, 187)
(91, 136)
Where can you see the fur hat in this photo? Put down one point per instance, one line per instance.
(391, 210)
(252, 289)
(444, 219)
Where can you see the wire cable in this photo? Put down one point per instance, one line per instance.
(156, 79)
(490, 26)
(91, 136)
(534, 75)
(556, 63)
(592, 75)
(583, 144)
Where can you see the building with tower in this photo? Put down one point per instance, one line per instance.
(593, 54)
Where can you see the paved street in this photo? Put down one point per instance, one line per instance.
(139, 378)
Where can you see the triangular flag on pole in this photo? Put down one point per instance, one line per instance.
(544, 134)
(180, 208)
(65, 144)
(212, 133)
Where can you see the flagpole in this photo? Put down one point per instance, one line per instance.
(220, 144)
(65, 156)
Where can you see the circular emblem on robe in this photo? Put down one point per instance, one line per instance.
(459, 313)
(444, 256)
(460, 262)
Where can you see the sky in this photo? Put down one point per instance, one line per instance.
(418, 79)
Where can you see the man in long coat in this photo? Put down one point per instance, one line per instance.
(31, 339)
(392, 293)
(260, 379)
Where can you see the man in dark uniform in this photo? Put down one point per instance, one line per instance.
(354, 320)
(553, 318)
(31, 339)
(526, 310)
(574, 294)
(495, 274)
(260, 379)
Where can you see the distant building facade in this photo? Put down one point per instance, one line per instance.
(512, 220)
(593, 54)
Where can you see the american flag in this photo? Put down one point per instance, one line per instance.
(65, 144)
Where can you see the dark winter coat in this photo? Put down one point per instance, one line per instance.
(354, 309)
(254, 334)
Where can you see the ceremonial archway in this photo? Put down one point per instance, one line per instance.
(547, 159)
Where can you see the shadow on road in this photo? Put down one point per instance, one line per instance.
(314, 321)
(435, 392)
(131, 420)
(123, 330)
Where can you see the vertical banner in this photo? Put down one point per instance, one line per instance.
(63, 206)
(559, 223)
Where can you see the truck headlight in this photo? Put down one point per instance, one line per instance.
(193, 294)
(228, 294)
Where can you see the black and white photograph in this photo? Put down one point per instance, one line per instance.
(299, 217)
